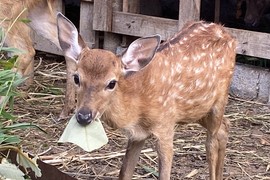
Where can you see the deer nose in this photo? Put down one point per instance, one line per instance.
(84, 116)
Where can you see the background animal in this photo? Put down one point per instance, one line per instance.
(151, 87)
(42, 16)
(255, 10)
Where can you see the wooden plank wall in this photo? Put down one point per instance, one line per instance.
(98, 16)
(250, 43)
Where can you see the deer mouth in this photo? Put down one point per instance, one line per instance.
(85, 116)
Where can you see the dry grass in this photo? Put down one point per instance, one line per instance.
(247, 157)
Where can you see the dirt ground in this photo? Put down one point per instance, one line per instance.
(247, 155)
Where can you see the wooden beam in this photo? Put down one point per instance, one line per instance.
(252, 43)
(142, 25)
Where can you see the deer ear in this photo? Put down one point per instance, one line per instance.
(140, 53)
(69, 39)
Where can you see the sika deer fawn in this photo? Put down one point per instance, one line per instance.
(42, 16)
(153, 86)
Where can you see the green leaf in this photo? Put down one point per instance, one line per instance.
(150, 170)
(6, 74)
(6, 139)
(88, 137)
(9, 64)
(12, 50)
(25, 20)
(2, 35)
(6, 115)
(10, 171)
(23, 126)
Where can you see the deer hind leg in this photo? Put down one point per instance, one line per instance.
(217, 137)
(132, 156)
(19, 37)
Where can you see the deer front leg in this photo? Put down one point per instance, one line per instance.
(70, 89)
(165, 153)
(25, 67)
(132, 156)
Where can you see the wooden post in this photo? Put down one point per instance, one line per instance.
(131, 7)
(111, 40)
(217, 11)
(188, 10)
(102, 17)
(86, 24)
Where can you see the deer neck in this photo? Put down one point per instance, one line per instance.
(127, 104)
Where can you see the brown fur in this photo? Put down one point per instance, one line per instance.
(187, 81)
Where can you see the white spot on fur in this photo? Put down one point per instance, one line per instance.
(203, 54)
(160, 99)
(163, 78)
(199, 70)
(185, 58)
(198, 83)
(205, 46)
(211, 64)
(222, 60)
(190, 101)
(163, 92)
(204, 64)
(196, 31)
(181, 87)
(152, 81)
(165, 103)
(219, 49)
(219, 33)
(178, 68)
(172, 71)
(169, 80)
(166, 63)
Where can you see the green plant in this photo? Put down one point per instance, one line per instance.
(9, 141)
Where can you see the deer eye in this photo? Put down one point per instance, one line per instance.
(111, 85)
(76, 79)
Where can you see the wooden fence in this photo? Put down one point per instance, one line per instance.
(103, 15)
